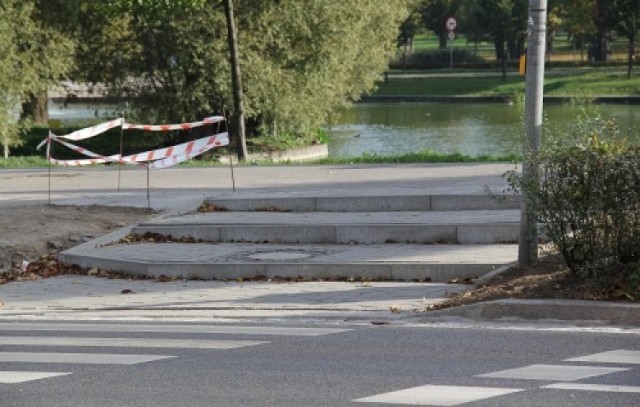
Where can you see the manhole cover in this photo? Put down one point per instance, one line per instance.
(283, 256)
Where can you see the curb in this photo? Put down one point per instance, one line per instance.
(484, 279)
(573, 311)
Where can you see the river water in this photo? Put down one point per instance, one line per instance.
(471, 129)
(397, 128)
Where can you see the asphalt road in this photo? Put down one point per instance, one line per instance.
(169, 364)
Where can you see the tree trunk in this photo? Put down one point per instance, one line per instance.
(36, 109)
(442, 39)
(241, 141)
(505, 56)
(632, 48)
(498, 45)
(600, 48)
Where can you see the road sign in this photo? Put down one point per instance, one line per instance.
(451, 24)
(452, 35)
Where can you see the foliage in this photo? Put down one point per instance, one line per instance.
(24, 162)
(33, 58)
(286, 141)
(443, 57)
(301, 61)
(503, 22)
(627, 15)
(428, 156)
(410, 26)
(435, 14)
(577, 17)
(587, 197)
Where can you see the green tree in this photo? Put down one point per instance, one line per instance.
(33, 59)
(505, 21)
(59, 19)
(435, 14)
(410, 26)
(602, 14)
(577, 18)
(627, 15)
(301, 61)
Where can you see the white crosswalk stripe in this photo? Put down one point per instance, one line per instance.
(127, 342)
(173, 328)
(78, 358)
(12, 377)
(8, 337)
(431, 395)
(442, 395)
(620, 356)
(553, 372)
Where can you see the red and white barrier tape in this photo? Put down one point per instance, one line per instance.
(85, 133)
(102, 127)
(161, 158)
(95, 158)
(170, 127)
(194, 150)
(93, 131)
(178, 149)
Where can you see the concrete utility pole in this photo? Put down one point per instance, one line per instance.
(536, 27)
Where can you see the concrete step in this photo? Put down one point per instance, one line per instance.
(438, 263)
(459, 227)
(368, 203)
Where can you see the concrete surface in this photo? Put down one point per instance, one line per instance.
(178, 191)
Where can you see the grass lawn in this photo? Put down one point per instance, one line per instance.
(579, 84)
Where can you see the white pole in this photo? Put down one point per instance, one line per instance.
(528, 242)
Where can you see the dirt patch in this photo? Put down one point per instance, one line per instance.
(550, 278)
(28, 232)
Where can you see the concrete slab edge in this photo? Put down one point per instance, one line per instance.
(481, 233)
(187, 207)
(433, 272)
(370, 203)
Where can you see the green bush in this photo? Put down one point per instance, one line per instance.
(586, 197)
(440, 57)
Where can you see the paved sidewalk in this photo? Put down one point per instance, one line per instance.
(181, 190)
(97, 298)
(87, 297)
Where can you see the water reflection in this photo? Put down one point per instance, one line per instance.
(472, 129)
(81, 111)
(395, 128)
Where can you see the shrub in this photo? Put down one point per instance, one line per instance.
(586, 197)
(439, 57)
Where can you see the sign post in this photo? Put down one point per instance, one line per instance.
(451, 26)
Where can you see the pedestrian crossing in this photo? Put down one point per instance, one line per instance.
(565, 375)
(95, 336)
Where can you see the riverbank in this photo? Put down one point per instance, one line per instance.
(612, 99)
(563, 85)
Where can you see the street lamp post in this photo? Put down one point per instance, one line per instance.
(528, 242)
